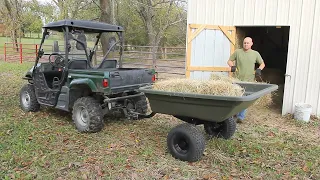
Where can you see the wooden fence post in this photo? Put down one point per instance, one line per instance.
(36, 50)
(5, 52)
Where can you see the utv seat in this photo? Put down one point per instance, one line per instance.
(78, 64)
(107, 64)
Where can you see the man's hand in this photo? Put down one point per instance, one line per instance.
(258, 72)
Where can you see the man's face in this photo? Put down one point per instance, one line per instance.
(247, 43)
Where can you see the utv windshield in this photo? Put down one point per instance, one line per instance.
(78, 44)
(81, 46)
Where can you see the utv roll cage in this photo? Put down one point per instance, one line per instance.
(67, 26)
(79, 26)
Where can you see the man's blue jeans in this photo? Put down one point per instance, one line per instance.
(241, 115)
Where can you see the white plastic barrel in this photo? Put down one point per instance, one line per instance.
(302, 112)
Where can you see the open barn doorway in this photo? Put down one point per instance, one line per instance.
(272, 43)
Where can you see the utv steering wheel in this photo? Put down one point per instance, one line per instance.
(58, 62)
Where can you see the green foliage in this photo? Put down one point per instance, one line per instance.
(31, 17)
(145, 20)
(168, 17)
(135, 32)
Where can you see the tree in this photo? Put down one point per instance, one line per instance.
(72, 9)
(104, 17)
(20, 16)
(126, 16)
(31, 17)
(158, 16)
(11, 15)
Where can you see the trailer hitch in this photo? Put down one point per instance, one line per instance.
(135, 115)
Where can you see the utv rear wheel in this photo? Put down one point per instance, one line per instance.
(87, 115)
(141, 105)
(28, 99)
(224, 129)
(186, 142)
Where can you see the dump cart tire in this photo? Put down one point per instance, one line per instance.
(28, 99)
(224, 129)
(87, 115)
(141, 105)
(186, 142)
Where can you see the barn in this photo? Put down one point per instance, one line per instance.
(285, 32)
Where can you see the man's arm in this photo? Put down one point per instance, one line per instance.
(260, 61)
(231, 62)
(262, 65)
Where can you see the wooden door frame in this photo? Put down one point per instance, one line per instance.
(192, 35)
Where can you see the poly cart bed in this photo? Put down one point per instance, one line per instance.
(205, 107)
(185, 141)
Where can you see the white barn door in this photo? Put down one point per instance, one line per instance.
(208, 50)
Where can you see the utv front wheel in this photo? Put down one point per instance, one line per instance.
(28, 99)
(87, 115)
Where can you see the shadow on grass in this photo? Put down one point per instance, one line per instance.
(67, 117)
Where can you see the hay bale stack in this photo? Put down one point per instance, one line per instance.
(219, 85)
(263, 101)
(214, 76)
(206, 87)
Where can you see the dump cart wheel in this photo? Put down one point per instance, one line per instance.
(87, 115)
(186, 142)
(28, 99)
(141, 105)
(224, 129)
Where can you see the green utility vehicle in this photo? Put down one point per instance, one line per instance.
(67, 79)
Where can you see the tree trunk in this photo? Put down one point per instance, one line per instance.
(15, 39)
(105, 17)
(155, 48)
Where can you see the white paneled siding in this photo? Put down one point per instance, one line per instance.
(271, 12)
(304, 49)
(303, 17)
(249, 15)
(294, 21)
(260, 12)
(313, 84)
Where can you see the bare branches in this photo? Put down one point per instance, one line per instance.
(97, 5)
(158, 16)
(162, 2)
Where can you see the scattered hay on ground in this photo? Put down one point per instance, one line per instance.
(206, 87)
(264, 101)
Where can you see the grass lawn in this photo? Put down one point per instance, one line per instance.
(45, 145)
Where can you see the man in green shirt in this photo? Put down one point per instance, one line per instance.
(242, 62)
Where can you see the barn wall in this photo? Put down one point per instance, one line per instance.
(303, 17)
